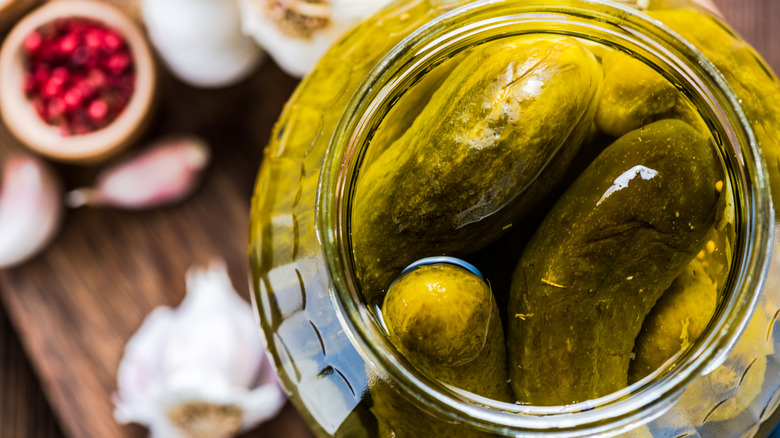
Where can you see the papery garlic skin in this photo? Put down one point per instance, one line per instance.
(201, 40)
(206, 357)
(165, 173)
(297, 52)
(30, 208)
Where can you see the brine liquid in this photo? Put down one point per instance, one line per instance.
(499, 259)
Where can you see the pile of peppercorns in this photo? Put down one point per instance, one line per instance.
(79, 74)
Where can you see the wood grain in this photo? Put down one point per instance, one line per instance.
(75, 306)
(24, 411)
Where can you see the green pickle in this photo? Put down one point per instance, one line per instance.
(445, 321)
(756, 87)
(405, 111)
(606, 252)
(488, 146)
(633, 95)
(676, 321)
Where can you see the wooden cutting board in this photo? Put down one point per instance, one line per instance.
(76, 305)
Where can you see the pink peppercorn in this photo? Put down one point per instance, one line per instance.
(97, 109)
(117, 63)
(69, 43)
(51, 88)
(59, 75)
(93, 39)
(33, 42)
(111, 42)
(72, 98)
(80, 74)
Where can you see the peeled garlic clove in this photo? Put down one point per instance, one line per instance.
(165, 173)
(201, 369)
(30, 209)
(296, 33)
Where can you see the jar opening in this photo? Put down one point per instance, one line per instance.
(609, 25)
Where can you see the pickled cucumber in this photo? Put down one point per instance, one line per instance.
(756, 87)
(491, 142)
(445, 321)
(403, 113)
(633, 95)
(601, 259)
(677, 320)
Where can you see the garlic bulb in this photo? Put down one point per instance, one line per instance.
(200, 370)
(201, 40)
(30, 209)
(296, 33)
(165, 173)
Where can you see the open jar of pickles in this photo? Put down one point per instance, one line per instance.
(598, 178)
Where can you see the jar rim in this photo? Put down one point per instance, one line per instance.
(624, 409)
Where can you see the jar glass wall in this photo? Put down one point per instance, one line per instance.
(328, 349)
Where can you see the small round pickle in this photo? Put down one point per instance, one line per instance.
(493, 140)
(676, 321)
(633, 95)
(444, 320)
(601, 259)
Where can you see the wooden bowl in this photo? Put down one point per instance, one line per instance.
(22, 119)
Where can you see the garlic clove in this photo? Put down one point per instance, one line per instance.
(199, 370)
(30, 209)
(201, 41)
(166, 173)
(296, 33)
(208, 315)
(137, 377)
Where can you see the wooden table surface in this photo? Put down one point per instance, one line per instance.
(179, 242)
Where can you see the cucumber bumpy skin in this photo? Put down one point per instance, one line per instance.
(743, 68)
(602, 257)
(676, 321)
(491, 142)
(445, 321)
(633, 95)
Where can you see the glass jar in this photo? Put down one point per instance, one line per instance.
(326, 341)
